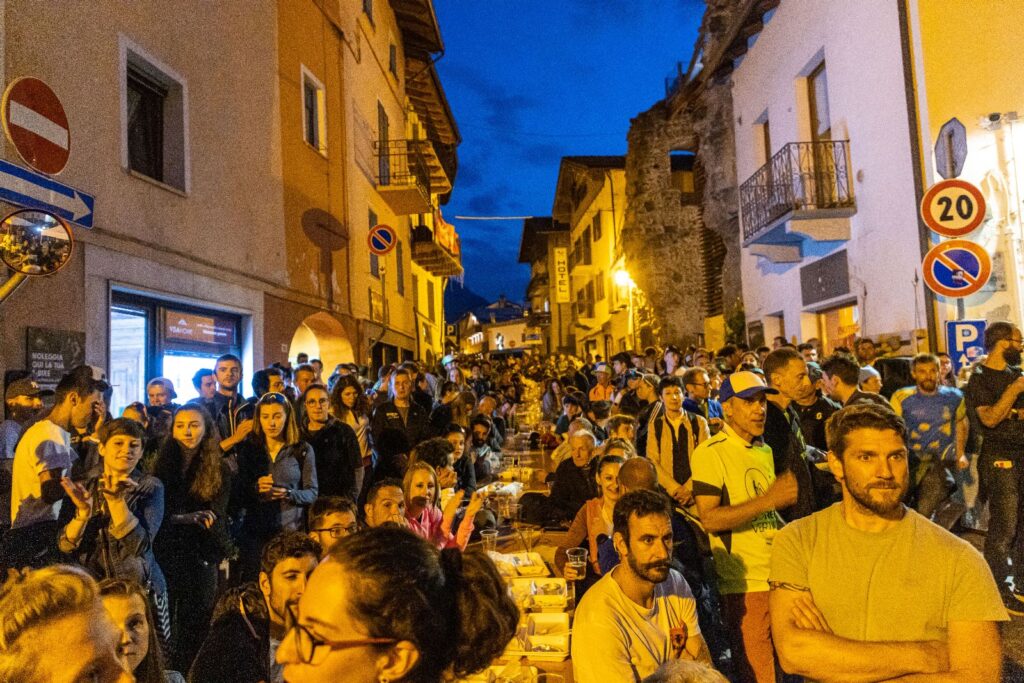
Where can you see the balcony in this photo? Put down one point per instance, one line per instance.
(803, 191)
(437, 250)
(407, 171)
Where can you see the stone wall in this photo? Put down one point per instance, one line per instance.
(662, 239)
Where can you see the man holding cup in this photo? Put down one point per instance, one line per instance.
(642, 613)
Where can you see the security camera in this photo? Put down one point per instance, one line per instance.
(995, 117)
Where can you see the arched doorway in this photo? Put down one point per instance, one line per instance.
(322, 336)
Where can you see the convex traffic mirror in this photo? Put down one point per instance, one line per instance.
(35, 242)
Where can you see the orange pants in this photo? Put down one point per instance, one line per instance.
(750, 636)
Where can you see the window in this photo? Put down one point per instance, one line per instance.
(597, 226)
(154, 121)
(383, 158)
(821, 122)
(585, 241)
(599, 289)
(393, 59)
(314, 112)
(415, 292)
(374, 260)
(399, 269)
(368, 9)
(431, 306)
(145, 125)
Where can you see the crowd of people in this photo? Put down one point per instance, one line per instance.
(754, 513)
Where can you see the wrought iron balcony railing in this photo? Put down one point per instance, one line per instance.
(402, 163)
(809, 177)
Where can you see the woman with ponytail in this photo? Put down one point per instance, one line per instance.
(387, 607)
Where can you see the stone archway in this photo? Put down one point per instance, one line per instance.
(322, 336)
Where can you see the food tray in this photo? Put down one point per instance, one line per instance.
(539, 648)
(521, 474)
(502, 673)
(530, 564)
(545, 594)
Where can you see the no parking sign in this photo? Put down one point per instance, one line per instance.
(965, 341)
(956, 268)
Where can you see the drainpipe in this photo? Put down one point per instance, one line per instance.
(913, 123)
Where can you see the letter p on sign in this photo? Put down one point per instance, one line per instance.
(965, 340)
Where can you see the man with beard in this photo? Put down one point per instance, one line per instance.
(995, 392)
(936, 419)
(641, 614)
(738, 495)
(869, 590)
(232, 652)
(24, 402)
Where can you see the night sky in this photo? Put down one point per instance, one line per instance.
(531, 81)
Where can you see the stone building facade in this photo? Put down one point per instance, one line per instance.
(683, 251)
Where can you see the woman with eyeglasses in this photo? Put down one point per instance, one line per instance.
(194, 538)
(385, 606)
(276, 480)
(339, 462)
(127, 606)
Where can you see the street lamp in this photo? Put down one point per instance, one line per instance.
(622, 278)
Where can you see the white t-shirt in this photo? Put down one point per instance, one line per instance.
(615, 639)
(44, 446)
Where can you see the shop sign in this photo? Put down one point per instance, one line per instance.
(199, 329)
(562, 287)
(49, 354)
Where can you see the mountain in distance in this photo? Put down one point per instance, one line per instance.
(459, 299)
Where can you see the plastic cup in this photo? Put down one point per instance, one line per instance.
(577, 559)
(489, 538)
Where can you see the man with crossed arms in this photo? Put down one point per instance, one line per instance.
(870, 590)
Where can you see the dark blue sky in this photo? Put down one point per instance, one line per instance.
(531, 81)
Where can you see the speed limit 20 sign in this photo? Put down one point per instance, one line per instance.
(953, 207)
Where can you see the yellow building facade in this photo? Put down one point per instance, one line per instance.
(966, 66)
(367, 140)
(591, 199)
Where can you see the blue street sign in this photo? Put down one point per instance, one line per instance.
(381, 239)
(965, 341)
(35, 190)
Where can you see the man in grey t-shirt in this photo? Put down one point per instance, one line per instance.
(869, 589)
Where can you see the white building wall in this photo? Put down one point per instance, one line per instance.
(860, 43)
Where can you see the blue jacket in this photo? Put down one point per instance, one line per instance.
(713, 408)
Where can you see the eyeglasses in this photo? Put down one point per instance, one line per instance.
(273, 397)
(339, 531)
(306, 643)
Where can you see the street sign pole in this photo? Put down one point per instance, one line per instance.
(384, 291)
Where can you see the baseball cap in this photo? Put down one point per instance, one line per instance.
(651, 379)
(26, 386)
(602, 367)
(867, 372)
(813, 371)
(744, 384)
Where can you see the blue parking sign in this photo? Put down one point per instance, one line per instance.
(965, 341)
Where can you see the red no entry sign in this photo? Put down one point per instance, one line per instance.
(953, 207)
(35, 123)
(956, 268)
(381, 240)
